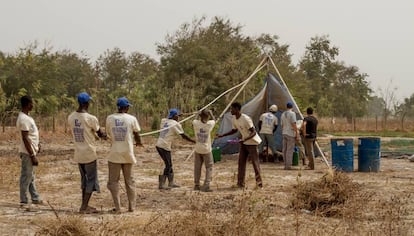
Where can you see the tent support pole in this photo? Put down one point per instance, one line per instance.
(296, 106)
(244, 83)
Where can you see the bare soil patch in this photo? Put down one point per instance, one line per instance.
(375, 204)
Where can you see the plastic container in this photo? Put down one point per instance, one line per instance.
(369, 154)
(343, 154)
(216, 154)
(295, 159)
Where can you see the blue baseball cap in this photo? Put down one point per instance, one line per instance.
(289, 105)
(173, 112)
(84, 97)
(123, 102)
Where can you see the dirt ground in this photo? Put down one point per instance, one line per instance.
(268, 211)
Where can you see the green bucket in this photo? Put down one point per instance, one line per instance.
(216, 154)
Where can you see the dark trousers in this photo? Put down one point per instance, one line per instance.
(245, 152)
(166, 157)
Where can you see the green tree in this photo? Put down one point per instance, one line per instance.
(111, 68)
(318, 68)
(143, 83)
(200, 62)
(405, 109)
(332, 87)
(350, 92)
(376, 106)
(75, 73)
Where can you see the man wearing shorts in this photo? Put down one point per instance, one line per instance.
(84, 126)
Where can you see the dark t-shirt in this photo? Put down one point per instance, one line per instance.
(311, 126)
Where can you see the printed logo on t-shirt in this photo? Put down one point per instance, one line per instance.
(268, 120)
(78, 132)
(202, 136)
(164, 132)
(119, 131)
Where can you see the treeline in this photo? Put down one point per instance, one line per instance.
(197, 63)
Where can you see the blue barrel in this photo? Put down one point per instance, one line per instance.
(343, 154)
(369, 154)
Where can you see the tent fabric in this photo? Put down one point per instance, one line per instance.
(273, 92)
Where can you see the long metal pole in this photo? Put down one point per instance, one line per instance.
(297, 108)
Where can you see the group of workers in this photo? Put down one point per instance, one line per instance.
(123, 131)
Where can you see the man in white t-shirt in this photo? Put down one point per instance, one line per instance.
(170, 128)
(28, 149)
(290, 134)
(84, 127)
(248, 144)
(123, 129)
(202, 130)
(267, 126)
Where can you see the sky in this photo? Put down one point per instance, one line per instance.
(377, 36)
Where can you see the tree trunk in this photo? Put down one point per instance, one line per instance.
(53, 124)
(402, 122)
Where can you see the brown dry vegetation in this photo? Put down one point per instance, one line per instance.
(294, 202)
(362, 124)
(365, 124)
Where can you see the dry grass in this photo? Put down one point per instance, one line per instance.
(291, 203)
(245, 214)
(66, 226)
(253, 213)
(363, 124)
(329, 196)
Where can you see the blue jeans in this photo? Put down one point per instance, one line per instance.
(27, 179)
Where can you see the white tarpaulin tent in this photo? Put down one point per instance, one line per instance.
(274, 91)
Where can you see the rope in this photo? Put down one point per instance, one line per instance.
(244, 83)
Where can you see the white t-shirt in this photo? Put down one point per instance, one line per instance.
(288, 118)
(84, 126)
(26, 123)
(269, 120)
(172, 128)
(121, 127)
(243, 124)
(202, 135)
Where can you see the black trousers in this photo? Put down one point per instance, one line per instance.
(166, 157)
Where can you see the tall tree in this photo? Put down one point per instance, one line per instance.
(199, 62)
(144, 84)
(269, 45)
(112, 71)
(405, 109)
(388, 94)
(317, 67)
(334, 88)
(349, 91)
